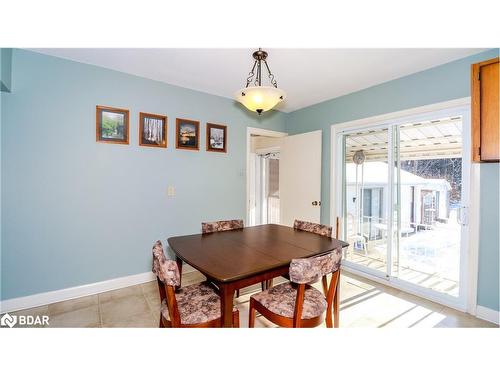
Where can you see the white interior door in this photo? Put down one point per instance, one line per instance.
(300, 178)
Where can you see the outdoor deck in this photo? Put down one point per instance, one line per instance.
(433, 281)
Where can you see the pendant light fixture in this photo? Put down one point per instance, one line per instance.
(254, 96)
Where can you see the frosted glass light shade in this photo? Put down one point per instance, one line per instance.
(260, 98)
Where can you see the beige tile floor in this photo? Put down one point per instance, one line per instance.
(363, 303)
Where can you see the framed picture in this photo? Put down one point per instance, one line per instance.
(112, 125)
(216, 137)
(187, 134)
(152, 130)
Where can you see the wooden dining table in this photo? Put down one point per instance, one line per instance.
(239, 258)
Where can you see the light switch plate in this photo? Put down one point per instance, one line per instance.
(170, 191)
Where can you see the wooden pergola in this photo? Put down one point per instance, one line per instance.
(437, 139)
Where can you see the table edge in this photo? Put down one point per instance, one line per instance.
(237, 278)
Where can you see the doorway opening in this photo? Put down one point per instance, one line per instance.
(263, 166)
(267, 192)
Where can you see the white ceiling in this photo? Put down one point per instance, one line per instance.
(308, 76)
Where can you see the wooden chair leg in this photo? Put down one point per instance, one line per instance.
(251, 316)
(236, 319)
(263, 285)
(325, 285)
(237, 293)
(270, 283)
(336, 300)
(329, 322)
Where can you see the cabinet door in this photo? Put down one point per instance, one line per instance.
(485, 111)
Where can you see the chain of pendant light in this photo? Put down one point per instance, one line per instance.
(258, 77)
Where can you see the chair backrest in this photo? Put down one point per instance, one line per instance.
(220, 226)
(310, 270)
(165, 269)
(323, 230)
(168, 277)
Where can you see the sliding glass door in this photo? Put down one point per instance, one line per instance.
(430, 184)
(404, 202)
(366, 197)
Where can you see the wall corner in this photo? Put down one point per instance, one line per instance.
(5, 69)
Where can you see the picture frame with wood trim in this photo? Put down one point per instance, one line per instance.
(216, 138)
(112, 125)
(187, 134)
(152, 130)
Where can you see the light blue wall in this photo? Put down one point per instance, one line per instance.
(75, 211)
(441, 83)
(489, 232)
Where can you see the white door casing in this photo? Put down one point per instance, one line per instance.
(300, 178)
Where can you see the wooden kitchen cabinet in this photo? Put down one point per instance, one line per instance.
(485, 114)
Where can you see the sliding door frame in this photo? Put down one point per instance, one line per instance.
(469, 245)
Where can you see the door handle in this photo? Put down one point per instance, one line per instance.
(463, 215)
(316, 203)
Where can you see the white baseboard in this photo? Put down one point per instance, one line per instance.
(487, 314)
(46, 298)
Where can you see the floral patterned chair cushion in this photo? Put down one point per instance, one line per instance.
(310, 270)
(323, 230)
(197, 303)
(280, 299)
(220, 226)
(165, 269)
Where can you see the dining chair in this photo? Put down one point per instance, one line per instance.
(296, 303)
(322, 230)
(221, 226)
(195, 306)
